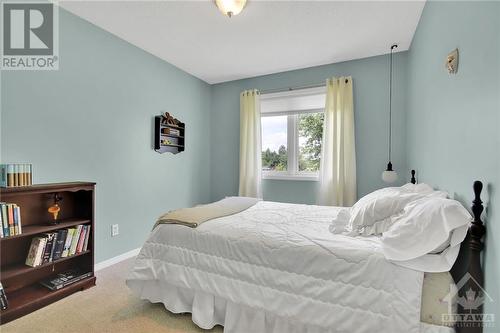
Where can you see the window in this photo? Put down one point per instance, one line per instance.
(274, 143)
(292, 130)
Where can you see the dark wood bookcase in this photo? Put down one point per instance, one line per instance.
(177, 142)
(21, 282)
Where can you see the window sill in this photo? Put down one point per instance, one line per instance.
(313, 178)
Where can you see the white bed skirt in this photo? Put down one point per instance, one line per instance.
(208, 310)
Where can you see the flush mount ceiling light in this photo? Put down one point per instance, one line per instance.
(230, 7)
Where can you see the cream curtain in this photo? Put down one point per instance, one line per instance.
(250, 145)
(338, 153)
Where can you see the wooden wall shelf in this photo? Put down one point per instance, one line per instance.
(21, 282)
(169, 142)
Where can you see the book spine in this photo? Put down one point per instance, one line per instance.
(76, 238)
(76, 279)
(30, 170)
(26, 174)
(67, 243)
(31, 258)
(59, 247)
(3, 175)
(87, 235)
(15, 214)
(4, 303)
(16, 174)
(5, 220)
(10, 175)
(21, 175)
(40, 251)
(53, 247)
(48, 248)
(1, 223)
(81, 240)
(10, 214)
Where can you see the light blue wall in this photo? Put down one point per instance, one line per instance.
(371, 96)
(453, 120)
(92, 120)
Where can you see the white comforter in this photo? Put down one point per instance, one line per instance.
(281, 260)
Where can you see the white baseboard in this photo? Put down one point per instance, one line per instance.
(117, 259)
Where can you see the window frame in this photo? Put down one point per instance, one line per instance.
(292, 172)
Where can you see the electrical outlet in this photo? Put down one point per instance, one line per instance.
(114, 230)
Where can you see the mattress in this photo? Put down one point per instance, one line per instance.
(275, 268)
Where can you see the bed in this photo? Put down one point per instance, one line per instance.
(275, 267)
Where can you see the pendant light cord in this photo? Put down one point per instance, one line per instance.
(390, 102)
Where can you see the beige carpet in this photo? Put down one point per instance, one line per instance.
(108, 307)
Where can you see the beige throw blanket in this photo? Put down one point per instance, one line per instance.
(193, 217)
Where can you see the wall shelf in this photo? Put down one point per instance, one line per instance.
(165, 140)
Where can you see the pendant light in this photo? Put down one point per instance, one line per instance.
(230, 7)
(389, 175)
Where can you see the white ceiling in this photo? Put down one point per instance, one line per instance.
(267, 37)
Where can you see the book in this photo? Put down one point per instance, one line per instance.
(48, 247)
(86, 243)
(4, 303)
(10, 175)
(21, 175)
(81, 240)
(10, 217)
(67, 244)
(39, 256)
(17, 174)
(5, 221)
(74, 241)
(53, 247)
(64, 279)
(1, 224)
(17, 219)
(3, 175)
(35, 252)
(59, 244)
(29, 168)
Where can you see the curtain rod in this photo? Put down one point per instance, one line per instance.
(270, 91)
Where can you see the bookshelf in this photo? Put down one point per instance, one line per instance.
(21, 282)
(176, 141)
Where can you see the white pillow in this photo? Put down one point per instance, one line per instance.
(340, 222)
(371, 214)
(426, 226)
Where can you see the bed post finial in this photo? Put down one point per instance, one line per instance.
(413, 180)
(477, 229)
(469, 262)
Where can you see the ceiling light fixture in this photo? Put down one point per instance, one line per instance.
(230, 7)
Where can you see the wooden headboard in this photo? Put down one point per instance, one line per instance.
(467, 271)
